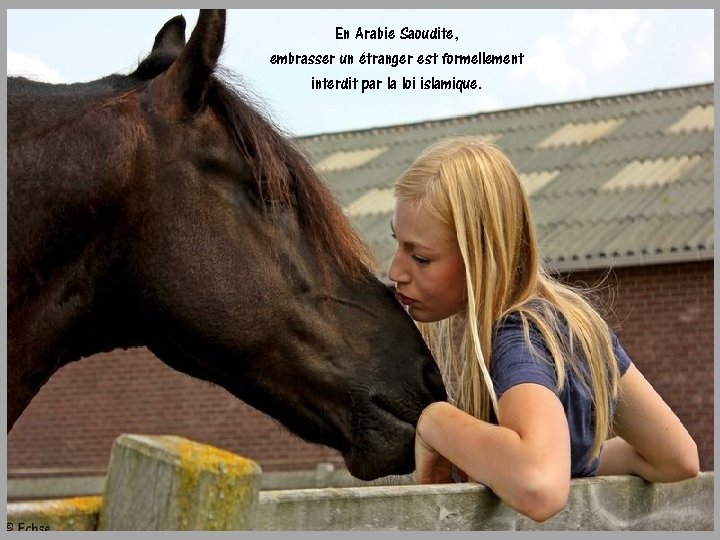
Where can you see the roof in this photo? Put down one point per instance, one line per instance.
(613, 181)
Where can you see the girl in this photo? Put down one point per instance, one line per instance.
(540, 388)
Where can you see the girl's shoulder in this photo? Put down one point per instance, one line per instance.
(515, 326)
(518, 357)
(510, 332)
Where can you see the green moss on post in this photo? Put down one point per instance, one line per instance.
(171, 483)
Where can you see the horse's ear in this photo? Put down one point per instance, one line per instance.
(168, 45)
(189, 75)
(171, 36)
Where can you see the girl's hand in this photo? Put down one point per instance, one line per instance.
(430, 466)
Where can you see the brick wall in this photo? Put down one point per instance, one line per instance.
(73, 421)
(665, 315)
(664, 318)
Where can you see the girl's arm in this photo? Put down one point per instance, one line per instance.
(525, 459)
(651, 441)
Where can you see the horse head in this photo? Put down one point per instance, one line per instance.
(168, 212)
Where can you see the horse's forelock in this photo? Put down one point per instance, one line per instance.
(284, 177)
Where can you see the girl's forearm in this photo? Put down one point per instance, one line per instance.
(619, 457)
(496, 457)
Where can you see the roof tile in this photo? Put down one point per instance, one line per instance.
(612, 180)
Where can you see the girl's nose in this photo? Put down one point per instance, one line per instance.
(396, 271)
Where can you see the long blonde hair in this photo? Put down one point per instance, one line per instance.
(473, 188)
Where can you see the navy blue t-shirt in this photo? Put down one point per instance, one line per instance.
(513, 362)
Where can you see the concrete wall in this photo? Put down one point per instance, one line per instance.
(609, 503)
(169, 483)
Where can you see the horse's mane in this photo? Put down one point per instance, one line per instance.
(285, 177)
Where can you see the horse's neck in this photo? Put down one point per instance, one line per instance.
(53, 318)
(69, 167)
(39, 106)
(62, 242)
(21, 86)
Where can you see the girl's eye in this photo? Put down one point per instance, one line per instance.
(420, 260)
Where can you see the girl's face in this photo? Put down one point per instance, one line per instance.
(427, 267)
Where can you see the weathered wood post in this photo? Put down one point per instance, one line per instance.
(171, 483)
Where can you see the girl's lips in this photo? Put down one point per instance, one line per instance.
(405, 300)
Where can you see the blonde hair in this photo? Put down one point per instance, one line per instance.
(473, 188)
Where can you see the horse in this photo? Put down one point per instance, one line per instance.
(162, 208)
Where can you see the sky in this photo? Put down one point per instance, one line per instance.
(567, 55)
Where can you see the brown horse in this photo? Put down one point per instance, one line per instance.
(159, 208)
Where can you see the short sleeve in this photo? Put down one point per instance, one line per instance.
(514, 362)
(622, 357)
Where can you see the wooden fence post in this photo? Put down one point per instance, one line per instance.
(171, 483)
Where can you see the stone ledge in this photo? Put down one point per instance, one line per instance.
(601, 503)
(72, 514)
